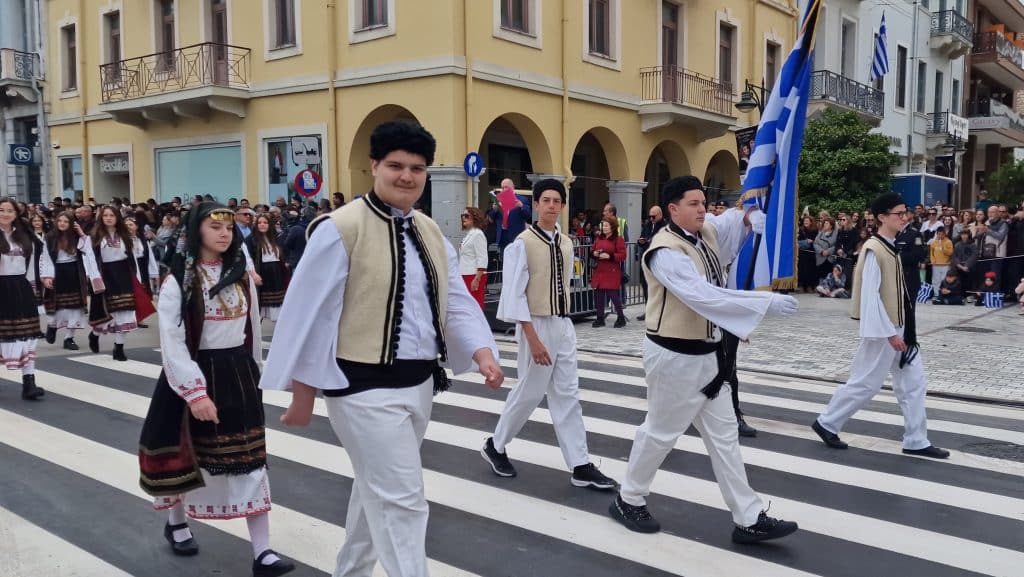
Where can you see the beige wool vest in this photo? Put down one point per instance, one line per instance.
(375, 288)
(666, 315)
(550, 267)
(893, 287)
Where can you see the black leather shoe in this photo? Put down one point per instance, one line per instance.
(279, 567)
(51, 335)
(185, 548)
(831, 439)
(70, 344)
(29, 390)
(598, 322)
(119, 353)
(745, 429)
(642, 317)
(94, 342)
(929, 451)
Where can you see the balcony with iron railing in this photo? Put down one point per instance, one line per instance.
(952, 33)
(995, 55)
(674, 94)
(186, 82)
(831, 89)
(16, 65)
(992, 122)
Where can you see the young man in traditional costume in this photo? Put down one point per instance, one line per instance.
(884, 305)
(535, 295)
(684, 358)
(374, 307)
(203, 450)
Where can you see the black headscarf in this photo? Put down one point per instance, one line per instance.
(185, 250)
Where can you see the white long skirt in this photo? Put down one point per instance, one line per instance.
(68, 319)
(224, 496)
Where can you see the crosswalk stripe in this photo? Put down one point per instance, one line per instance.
(306, 539)
(875, 480)
(663, 551)
(30, 550)
(924, 544)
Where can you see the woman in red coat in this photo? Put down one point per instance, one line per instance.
(609, 251)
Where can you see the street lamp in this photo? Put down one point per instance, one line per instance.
(753, 96)
(955, 146)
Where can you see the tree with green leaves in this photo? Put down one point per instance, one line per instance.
(843, 165)
(1006, 183)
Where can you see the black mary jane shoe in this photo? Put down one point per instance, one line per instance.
(51, 335)
(185, 548)
(70, 344)
(279, 567)
(94, 342)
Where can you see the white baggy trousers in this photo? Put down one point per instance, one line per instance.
(875, 358)
(674, 401)
(382, 429)
(559, 381)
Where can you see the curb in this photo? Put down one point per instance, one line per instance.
(981, 399)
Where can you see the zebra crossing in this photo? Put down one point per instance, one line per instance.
(70, 503)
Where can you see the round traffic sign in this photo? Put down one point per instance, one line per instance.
(473, 164)
(308, 183)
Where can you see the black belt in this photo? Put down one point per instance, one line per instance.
(695, 347)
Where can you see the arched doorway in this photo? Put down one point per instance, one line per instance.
(722, 177)
(359, 158)
(666, 161)
(512, 146)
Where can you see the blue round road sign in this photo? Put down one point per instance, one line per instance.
(473, 165)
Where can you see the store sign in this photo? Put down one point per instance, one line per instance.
(306, 150)
(114, 164)
(958, 126)
(988, 123)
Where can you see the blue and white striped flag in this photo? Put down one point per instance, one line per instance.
(880, 61)
(993, 300)
(925, 293)
(771, 180)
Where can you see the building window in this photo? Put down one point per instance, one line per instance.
(600, 27)
(901, 77)
(515, 15)
(284, 23)
(282, 169)
(215, 170)
(771, 64)
(69, 66)
(112, 27)
(669, 34)
(165, 43)
(955, 97)
(848, 45)
(922, 84)
(71, 178)
(939, 88)
(726, 53)
(374, 14)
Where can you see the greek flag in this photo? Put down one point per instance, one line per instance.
(771, 179)
(880, 62)
(993, 300)
(925, 293)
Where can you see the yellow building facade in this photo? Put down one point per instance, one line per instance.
(164, 98)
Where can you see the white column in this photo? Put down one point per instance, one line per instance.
(448, 198)
(628, 198)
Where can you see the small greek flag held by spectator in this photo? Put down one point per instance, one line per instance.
(925, 293)
(880, 61)
(993, 300)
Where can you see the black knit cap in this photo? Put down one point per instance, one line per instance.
(548, 184)
(886, 202)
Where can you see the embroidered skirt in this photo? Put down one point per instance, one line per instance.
(271, 294)
(113, 310)
(66, 304)
(19, 322)
(218, 471)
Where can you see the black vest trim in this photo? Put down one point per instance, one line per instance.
(556, 292)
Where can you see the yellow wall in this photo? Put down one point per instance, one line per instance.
(430, 42)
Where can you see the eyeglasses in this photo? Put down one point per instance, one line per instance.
(842, 220)
(897, 213)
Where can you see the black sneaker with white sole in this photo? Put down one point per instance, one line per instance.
(499, 461)
(589, 476)
(634, 518)
(766, 529)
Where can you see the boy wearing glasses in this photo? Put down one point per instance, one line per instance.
(885, 309)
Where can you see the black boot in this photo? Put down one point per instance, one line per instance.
(94, 342)
(620, 322)
(51, 335)
(119, 353)
(70, 344)
(29, 390)
(745, 430)
(598, 322)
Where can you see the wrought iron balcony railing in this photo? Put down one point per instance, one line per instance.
(681, 86)
(828, 85)
(989, 108)
(196, 66)
(952, 22)
(995, 44)
(938, 123)
(18, 65)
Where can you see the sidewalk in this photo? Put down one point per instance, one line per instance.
(968, 351)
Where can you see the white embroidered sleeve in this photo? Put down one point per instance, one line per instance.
(183, 374)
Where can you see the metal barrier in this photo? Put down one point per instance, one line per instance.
(582, 298)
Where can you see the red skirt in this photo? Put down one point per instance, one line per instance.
(478, 294)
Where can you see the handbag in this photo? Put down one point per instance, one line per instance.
(143, 304)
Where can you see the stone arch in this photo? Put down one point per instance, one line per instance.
(508, 132)
(723, 171)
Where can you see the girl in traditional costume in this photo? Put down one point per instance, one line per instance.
(74, 268)
(268, 260)
(202, 452)
(112, 308)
